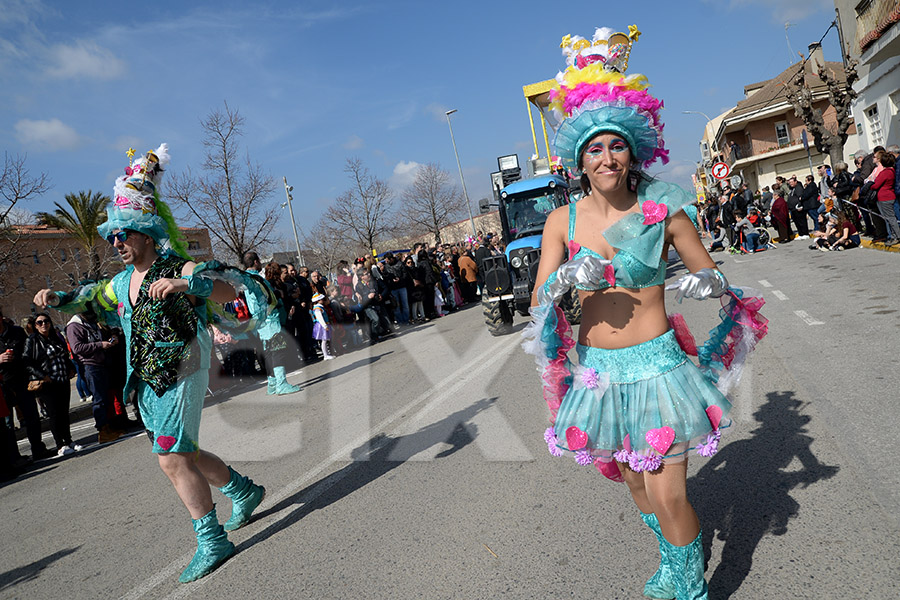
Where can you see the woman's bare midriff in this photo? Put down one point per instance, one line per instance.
(621, 317)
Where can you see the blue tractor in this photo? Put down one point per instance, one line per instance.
(509, 278)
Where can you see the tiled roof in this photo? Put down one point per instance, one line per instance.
(772, 93)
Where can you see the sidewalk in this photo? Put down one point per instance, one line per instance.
(879, 246)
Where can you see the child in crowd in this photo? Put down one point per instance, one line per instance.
(321, 327)
(718, 238)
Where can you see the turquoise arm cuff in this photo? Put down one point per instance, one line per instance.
(199, 286)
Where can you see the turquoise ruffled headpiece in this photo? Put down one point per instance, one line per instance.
(574, 133)
(135, 220)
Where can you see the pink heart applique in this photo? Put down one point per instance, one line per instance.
(653, 212)
(574, 247)
(165, 441)
(715, 416)
(609, 274)
(661, 439)
(626, 443)
(576, 438)
(609, 470)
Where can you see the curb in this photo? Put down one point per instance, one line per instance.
(879, 246)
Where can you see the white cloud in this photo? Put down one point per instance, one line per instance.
(47, 135)
(404, 173)
(354, 142)
(84, 59)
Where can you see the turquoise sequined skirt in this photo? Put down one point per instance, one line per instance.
(652, 385)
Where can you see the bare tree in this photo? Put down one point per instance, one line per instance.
(327, 243)
(362, 213)
(840, 96)
(17, 185)
(230, 196)
(431, 202)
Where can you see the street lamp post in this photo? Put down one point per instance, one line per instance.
(287, 192)
(708, 122)
(461, 178)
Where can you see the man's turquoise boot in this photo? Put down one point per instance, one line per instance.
(281, 384)
(245, 497)
(270, 385)
(213, 547)
(686, 564)
(660, 586)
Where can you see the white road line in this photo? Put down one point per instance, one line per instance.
(447, 387)
(765, 283)
(779, 294)
(806, 317)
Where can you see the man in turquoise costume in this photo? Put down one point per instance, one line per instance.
(162, 300)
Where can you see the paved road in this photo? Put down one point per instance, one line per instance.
(417, 469)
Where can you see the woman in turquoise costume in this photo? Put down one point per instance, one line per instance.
(164, 301)
(634, 405)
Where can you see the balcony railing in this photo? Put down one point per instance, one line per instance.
(874, 20)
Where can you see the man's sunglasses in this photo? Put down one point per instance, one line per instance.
(121, 236)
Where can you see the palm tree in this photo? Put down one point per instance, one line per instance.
(88, 210)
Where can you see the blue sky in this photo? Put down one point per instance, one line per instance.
(317, 82)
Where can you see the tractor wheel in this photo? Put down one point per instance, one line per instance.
(571, 306)
(497, 316)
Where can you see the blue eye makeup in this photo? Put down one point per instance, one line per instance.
(595, 150)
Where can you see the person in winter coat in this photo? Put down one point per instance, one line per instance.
(49, 370)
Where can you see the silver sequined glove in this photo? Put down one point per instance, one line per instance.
(705, 283)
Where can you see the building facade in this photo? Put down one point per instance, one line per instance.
(871, 33)
(761, 138)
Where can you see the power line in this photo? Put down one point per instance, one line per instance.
(802, 66)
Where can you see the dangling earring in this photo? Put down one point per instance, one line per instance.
(634, 177)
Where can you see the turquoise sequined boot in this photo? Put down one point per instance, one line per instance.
(686, 564)
(245, 496)
(281, 384)
(660, 586)
(270, 385)
(213, 547)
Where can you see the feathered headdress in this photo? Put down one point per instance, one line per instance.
(594, 95)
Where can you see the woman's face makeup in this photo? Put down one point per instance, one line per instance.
(606, 159)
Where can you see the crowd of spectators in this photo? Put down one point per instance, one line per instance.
(833, 211)
(364, 302)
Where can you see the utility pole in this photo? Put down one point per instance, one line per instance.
(287, 191)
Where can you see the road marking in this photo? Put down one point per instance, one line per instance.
(447, 387)
(779, 294)
(806, 317)
(765, 283)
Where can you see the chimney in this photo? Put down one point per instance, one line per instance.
(815, 57)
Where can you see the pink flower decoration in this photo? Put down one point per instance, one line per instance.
(653, 212)
(584, 458)
(129, 171)
(590, 379)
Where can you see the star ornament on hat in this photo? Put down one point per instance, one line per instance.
(594, 95)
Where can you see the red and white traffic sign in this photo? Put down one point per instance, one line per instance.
(720, 170)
